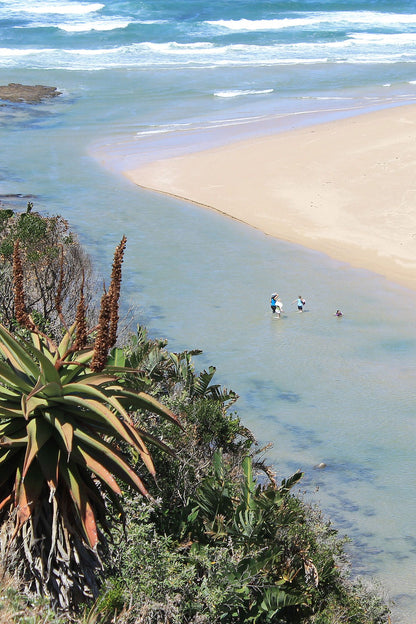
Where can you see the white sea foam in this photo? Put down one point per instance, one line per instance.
(264, 24)
(98, 25)
(53, 7)
(142, 133)
(163, 129)
(11, 53)
(196, 126)
(383, 39)
(238, 92)
(337, 19)
(358, 50)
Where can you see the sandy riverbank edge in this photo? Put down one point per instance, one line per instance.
(346, 188)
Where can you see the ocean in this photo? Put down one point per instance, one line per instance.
(144, 80)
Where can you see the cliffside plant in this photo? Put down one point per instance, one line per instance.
(67, 441)
(46, 244)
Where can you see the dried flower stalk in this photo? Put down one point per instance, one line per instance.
(101, 343)
(20, 313)
(80, 320)
(58, 296)
(114, 291)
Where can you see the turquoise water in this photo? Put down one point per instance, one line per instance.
(147, 79)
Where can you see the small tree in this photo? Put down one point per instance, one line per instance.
(52, 259)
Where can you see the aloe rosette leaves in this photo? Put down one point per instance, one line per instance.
(66, 439)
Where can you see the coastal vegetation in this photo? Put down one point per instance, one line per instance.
(130, 491)
(52, 260)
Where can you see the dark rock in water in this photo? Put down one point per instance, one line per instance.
(16, 201)
(16, 196)
(30, 94)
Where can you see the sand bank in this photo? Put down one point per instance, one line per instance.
(346, 188)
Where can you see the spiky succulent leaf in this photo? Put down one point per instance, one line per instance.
(97, 468)
(64, 429)
(48, 457)
(83, 507)
(28, 490)
(142, 400)
(16, 355)
(66, 340)
(38, 433)
(15, 378)
(108, 455)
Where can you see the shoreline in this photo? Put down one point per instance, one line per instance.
(345, 188)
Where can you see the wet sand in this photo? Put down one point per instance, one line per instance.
(346, 187)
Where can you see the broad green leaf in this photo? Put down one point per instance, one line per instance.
(29, 493)
(10, 413)
(18, 356)
(119, 466)
(117, 358)
(142, 400)
(142, 449)
(63, 425)
(98, 468)
(50, 390)
(19, 439)
(39, 432)
(18, 381)
(8, 394)
(48, 458)
(90, 391)
(66, 340)
(83, 389)
(108, 417)
(287, 484)
(248, 485)
(79, 496)
(96, 379)
(70, 370)
(36, 340)
(276, 599)
(48, 372)
(30, 404)
(45, 345)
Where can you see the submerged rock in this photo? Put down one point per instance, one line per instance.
(31, 94)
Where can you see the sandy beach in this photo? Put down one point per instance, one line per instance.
(346, 188)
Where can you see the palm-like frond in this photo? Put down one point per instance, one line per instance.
(50, 399)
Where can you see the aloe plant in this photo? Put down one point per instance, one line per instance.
(66, 443)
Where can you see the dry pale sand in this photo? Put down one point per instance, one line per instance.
(346, 188)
